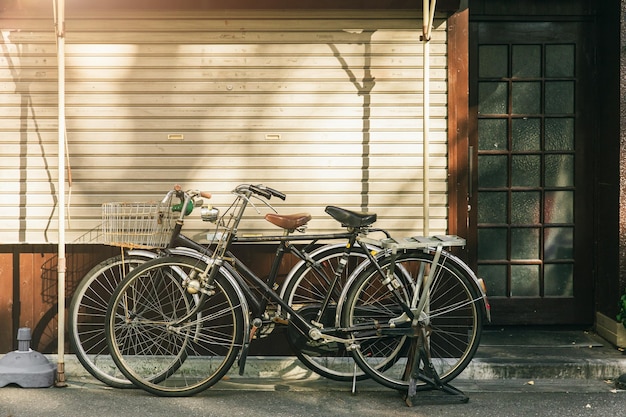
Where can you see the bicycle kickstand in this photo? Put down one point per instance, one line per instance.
(421, 355)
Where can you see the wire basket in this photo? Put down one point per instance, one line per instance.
(137, 225)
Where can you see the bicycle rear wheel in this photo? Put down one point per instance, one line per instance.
(167, 341)
(305, 291)
(87, 316)
(452, 317)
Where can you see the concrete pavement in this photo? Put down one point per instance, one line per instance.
(504, 353)
(572, 369)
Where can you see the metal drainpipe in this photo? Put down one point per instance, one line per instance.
(60, 31)
(428, 16)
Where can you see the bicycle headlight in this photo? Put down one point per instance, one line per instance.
(209, 214)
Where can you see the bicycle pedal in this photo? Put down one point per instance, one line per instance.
(280, 320)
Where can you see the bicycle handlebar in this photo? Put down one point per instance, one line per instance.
(190, 199)
(260, 189)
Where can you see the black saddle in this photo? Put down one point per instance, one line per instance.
(350, 218)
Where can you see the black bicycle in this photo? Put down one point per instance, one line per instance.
(175, 325)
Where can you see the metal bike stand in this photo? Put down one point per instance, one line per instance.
(428, 375)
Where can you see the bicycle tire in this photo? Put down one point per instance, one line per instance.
(158, 352)
(304, 291)
(453, 315)
(87, 316)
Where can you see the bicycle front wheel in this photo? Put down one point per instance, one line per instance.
(451, 318)
(167, 341)
(87, 316)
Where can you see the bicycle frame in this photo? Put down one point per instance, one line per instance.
(243, 275)
(258, 303)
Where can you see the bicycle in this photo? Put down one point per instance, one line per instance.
(171, 345)
(305, 284)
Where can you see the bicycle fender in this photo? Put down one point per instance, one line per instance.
(316, 252)
(475, 280)
(143, 252)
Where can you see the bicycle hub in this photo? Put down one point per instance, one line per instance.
(193, 286)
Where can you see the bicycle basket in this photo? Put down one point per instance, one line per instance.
(137, 225)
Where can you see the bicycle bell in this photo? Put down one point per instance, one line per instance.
(209, 214)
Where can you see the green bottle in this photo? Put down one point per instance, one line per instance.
(179, 207)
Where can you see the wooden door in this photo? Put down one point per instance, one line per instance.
(530, 221)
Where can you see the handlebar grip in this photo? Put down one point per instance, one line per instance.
(260, 191)
(277, 193)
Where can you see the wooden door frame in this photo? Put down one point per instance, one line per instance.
(459, 125)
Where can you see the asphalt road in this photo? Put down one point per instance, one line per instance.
(508, 398)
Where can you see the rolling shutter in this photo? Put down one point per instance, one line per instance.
(323, 106)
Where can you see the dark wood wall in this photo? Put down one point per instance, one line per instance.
(29, 290)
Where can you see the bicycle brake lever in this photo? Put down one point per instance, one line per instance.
(267, 204)
(249, 200)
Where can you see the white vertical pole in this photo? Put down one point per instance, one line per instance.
(426, 115)
(60, 29)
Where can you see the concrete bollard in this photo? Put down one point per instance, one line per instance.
(25, 367)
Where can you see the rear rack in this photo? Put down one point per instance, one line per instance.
(416, 242)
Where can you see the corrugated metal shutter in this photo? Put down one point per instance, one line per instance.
(323, 106)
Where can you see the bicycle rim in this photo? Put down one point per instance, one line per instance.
(87, 316)
(167, 341)
(452, 316)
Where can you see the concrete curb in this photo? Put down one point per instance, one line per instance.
(289, 368)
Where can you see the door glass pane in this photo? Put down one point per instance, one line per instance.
(525, 207)
(559, 170)
(526, 97)
(559, 207)
(492, 207)
(492, 244)
(526, 134)
(559, 97)
(492, 171)
(525, 243)
(525, 170)
(560, 60)
(492, 98)
(558, 243)
(492, 134)
(493, 61)
(524, 280)
(526, 61)
(559, 134)
(559, 280)
(495, 277)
